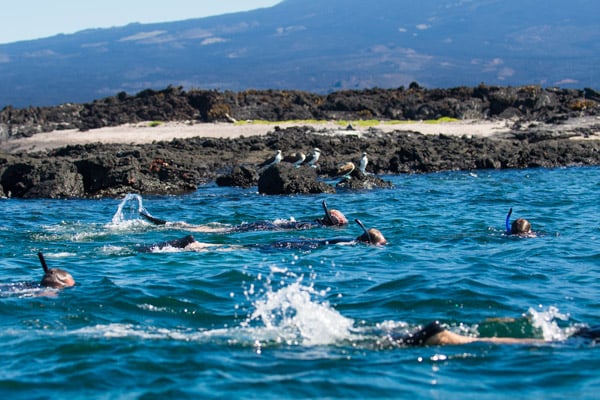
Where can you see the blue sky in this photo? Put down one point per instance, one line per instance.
(33, 19)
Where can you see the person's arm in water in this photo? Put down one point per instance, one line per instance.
(150, 218)
(434, 334)
(180, 225)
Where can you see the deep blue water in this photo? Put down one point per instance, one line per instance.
(237, 321)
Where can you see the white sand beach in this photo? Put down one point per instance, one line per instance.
(148, 132)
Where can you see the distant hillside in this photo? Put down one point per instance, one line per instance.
(317, 46)
(526, 103)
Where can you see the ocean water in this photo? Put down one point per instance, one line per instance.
(245, 321)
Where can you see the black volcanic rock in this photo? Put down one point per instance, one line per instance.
(54, 178)
(181, 166)
(284, 178)
(240, 175)
(359, 181)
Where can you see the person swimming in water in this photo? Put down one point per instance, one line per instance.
(370, 236)
(520, 226)
(331, 218)
(434, 334)
(54, 278)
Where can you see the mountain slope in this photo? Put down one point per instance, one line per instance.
(316, 46)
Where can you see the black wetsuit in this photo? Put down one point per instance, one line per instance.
(253, 226)
(297, 244)
(275, 226)
(180, 243)
(590, 333)
(419, 337)
(304, 244)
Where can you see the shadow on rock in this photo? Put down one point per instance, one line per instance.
(241, 175)
(284, 178)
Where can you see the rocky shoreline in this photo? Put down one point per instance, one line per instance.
(549, 128)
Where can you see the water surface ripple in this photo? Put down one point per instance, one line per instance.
(243, 320)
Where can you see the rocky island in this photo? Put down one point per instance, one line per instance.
(172, 141)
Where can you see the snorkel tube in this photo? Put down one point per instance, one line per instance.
(43, 261)
(327, 218)
(365, 230)
(507, 222)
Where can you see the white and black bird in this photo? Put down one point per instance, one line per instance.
(311, 161)
(363, 163)
(276, 159)
(296, 159)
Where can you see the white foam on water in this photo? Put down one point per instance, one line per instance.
(127, 216)
(297, 314)
(167, 249)
(294, 315)
(117, 330)
(279, 221)
(546, 321)
(20, 289)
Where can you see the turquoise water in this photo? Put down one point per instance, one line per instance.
(237, 321)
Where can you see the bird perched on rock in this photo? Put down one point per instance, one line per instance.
(363, 163)
(345, 170)
(311, 160)
(276, 159)
(295, 159)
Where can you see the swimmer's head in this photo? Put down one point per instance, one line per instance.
(520, 226)
(55, 278)
(336, 218)
(372, 236)
(333, 217)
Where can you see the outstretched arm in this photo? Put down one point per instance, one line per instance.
(150, 218)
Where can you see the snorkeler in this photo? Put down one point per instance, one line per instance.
(370, 236)
(187, 242)
(55, 278)
(434, 334)
(331, 218)
(519, 226)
